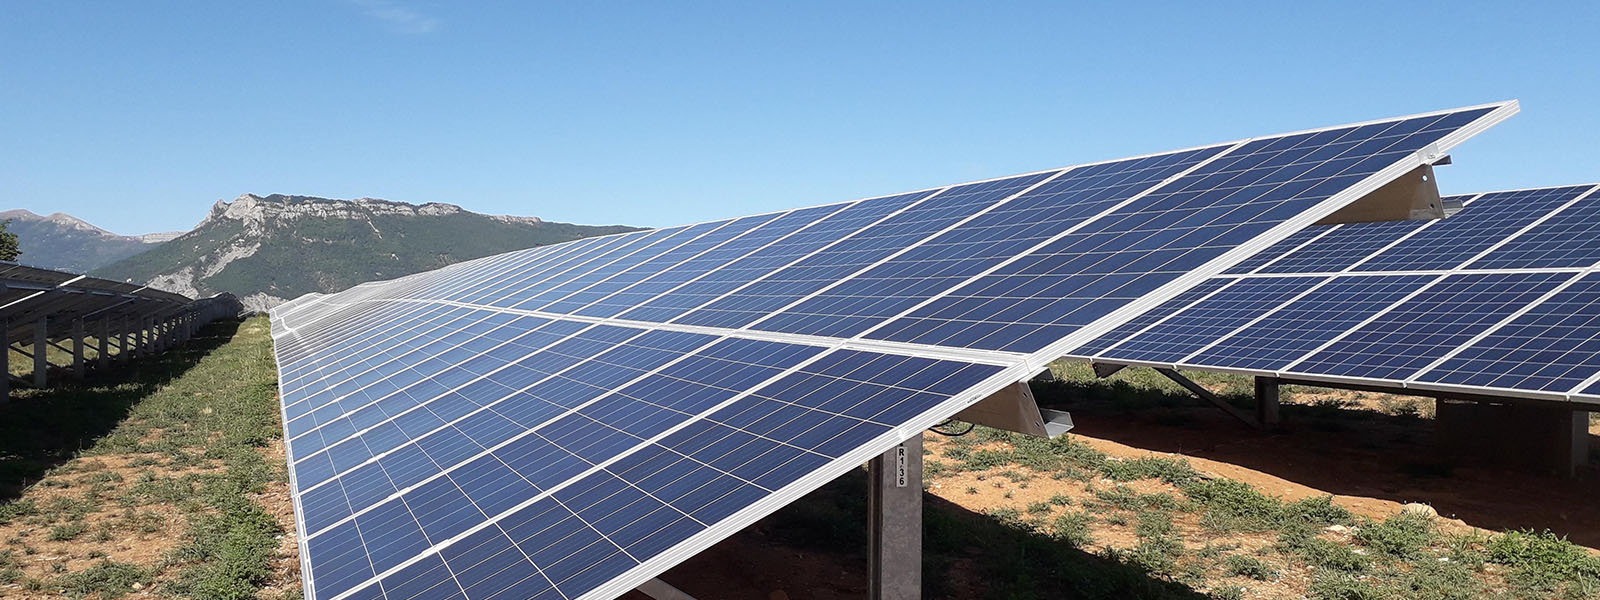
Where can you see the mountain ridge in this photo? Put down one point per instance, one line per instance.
(65, 242)
(269, 248)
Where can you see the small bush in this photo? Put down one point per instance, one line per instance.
(62, 533)
(1248, 566)
(1073, 528)
(107, 578)
(1401, 535)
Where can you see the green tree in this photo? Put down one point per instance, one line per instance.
(8, 243)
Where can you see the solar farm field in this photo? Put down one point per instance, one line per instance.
(170, 484)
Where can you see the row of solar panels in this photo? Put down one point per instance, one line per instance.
(31, 296)
(1500, 299)
(571, 420)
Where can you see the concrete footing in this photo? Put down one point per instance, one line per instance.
(1540, 438)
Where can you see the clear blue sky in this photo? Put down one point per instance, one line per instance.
(138, 115)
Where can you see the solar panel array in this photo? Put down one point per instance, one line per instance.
(1500, 299)
(570, 420)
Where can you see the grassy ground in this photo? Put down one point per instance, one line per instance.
(167, 482)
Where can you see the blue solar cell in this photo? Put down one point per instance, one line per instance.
(1204, 322)
(602, 269)
(1150, 317)
(1345, 246)
(1304, 324)
(782, 252)
(561, 272)
(1295, 240)
(1553, 347)
(671, 280)
(1408, 337)
(1130, 252)
(1487, 220)
(854, 253)
(941, 263)
(1570, 238)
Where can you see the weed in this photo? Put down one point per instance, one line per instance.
(1248, 566)
(1401, 535)
(1061, 500)
(62, 533)
(1073, 528)
(107, 578)
(1036, 508)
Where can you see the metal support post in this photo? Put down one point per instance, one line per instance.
(661, 590)
(5, 364)
(1267, 400)
(41, 367)
(77, 349)
(104, 358)
(894, 507)
(126, 346)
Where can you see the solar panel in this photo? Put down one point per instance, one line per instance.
(569, 421)
(1496, 300)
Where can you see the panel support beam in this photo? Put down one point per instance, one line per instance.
(1206, 395)
(894, 508)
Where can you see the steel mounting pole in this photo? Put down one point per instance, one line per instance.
(41, 367)
(77, 348)
(894, 508)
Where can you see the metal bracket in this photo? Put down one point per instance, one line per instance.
(661, 590)
(1104, 370)
(1206, 395)
(1413, 196)
(1013, 408)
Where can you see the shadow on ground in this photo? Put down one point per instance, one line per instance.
(1337, 449)
(816, 549)
(40, 429)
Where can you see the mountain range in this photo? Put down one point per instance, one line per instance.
(267, 249)
(64, 242)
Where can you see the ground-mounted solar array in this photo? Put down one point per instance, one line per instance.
(568, 421)
(1501, 299)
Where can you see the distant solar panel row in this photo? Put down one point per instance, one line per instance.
(568, 421)
(1498, 299)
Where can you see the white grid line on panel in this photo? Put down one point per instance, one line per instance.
(1163, 320)
(817, 251)
(1052, 239)
(718, 267)
(396, 324)
(1364, 322)
(1518, 233)
(800, 487)
(420, 405)
(653, 440)
(1501, 324)
(1293, 250)
(1259, 318)
(1397, 241)
(903, 251)
(663, 253)
(666, 243)
(1372, 182)
(508, 364)
(404, 353)
(567, 263)
(1347, 274)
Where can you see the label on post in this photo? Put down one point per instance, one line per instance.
(900, 465)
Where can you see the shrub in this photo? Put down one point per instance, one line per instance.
(1248, 566)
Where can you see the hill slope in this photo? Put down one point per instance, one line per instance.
(267, 249)
(62, 241)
